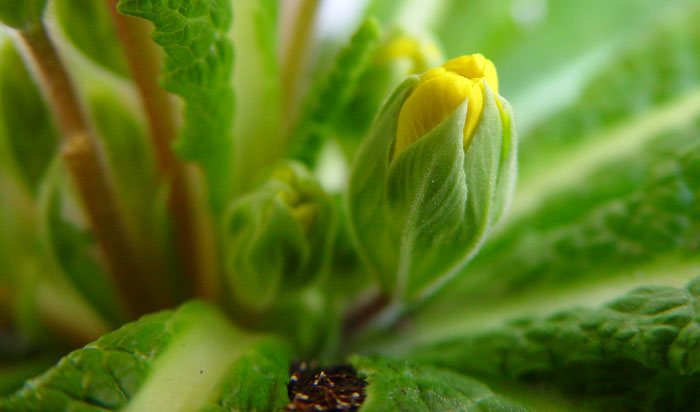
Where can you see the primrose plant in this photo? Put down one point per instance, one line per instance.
(172, 237)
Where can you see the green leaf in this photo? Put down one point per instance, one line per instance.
(649, 334)
(644, 92)
(406, 386)
(73, 247)
(257, 83)
(89, 26)
(13, 374)
(257, 381)
(329, 96)
(21, 15)
(24, 119)
(174, 360)
(198, 68)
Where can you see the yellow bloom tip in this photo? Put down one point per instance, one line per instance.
(438, 94)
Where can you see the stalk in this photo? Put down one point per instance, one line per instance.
(192, 231)
(298, 29)
(87, 167)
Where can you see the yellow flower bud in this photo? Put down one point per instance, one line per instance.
(438, 94)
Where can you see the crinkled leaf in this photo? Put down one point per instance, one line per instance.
(178, 360)
(406, 386)
(650, 334)
(332, 92)
(198, 68)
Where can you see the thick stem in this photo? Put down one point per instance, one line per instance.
(294, 53)
(191, 236)
(364, 314)
(89, 173)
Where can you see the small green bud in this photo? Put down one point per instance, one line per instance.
(21, 14)
(433, 177)
(278, 237)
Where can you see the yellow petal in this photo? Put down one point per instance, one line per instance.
(433, 100)
(475, 66)
(439, 92)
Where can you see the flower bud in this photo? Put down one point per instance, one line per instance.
(278, 237)
(433, 176)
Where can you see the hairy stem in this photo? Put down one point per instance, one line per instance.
(299, 24)
(191, 234)
(87, 167)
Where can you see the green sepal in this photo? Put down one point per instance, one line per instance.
(278, 237)
(21, 14)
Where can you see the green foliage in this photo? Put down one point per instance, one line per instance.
(24, 118)
(198, 68)
(89, 27)
(403, 386)
(574, 301)
(71, 246)
(120, 369)
(21, 15)
(651, 331)
(332, 92)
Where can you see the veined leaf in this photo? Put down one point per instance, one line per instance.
(650, 334)
(198, 68)
(174, 360)
(405, 386)
(330, 95)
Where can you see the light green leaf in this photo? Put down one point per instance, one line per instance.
(198, 68)
(257, 381)
(406, 386)
(89, 26)
(329, 96)
(178, 360)
(544, 50)
(644, 92)
(257, 85)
